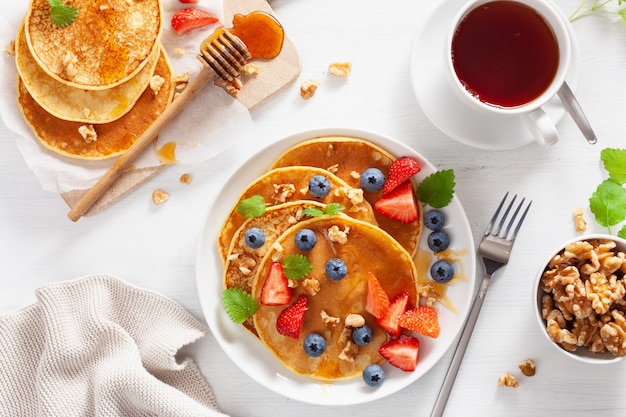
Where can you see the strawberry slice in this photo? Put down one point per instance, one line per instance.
(390, 321)
(276, 290)
(188, 1)
(399, 204)
(401, 352)
(400, 170)
(190, 18)
(423, 320)
(377, 302)
(291, 319)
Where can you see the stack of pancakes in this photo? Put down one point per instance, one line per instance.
(90, 88)
(372, 244)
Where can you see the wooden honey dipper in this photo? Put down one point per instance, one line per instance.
(225, 53)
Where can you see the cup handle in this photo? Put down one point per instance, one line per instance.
(542, 127)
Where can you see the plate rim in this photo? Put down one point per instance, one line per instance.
(329, 393)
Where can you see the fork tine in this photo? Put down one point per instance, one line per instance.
(521, 220)
(508, 226)
(504, 216)
(495, 215)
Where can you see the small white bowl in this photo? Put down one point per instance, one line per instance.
(581, 354)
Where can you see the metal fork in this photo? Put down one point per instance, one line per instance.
(494, 251)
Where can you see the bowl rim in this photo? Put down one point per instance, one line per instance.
(581, 354)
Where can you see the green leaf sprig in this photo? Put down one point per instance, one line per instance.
(437, 189)
(296, 266)
(608, 202)
(239, 304)
(588, 7)
(62, 14)
(328, 210)
(252, 206)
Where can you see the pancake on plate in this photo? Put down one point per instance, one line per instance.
(79, 105)
(107, 44)
(347, 158)
(366, 249)
(290, 184)
(110, 139)
(242, 261)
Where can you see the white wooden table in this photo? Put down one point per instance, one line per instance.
(155, 246)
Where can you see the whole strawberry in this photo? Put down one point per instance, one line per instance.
(291, 319)
(400, 171)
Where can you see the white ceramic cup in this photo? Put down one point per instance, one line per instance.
(536, 119)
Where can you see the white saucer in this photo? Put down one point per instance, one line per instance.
(450, 115)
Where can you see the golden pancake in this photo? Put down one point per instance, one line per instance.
(290, 184)
(348, 157)
(79, 105)
(113, 138)
(108, 43)
(242, 261)
(367, 249)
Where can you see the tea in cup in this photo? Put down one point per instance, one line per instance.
(509, 57)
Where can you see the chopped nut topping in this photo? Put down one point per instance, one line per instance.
(185, 179)
(337, 235)
(156, 82)
(283, 191)
(246, 264)
(528, 367)
(579, 220)
(355, 175)
(69, 64)
(250, 69)
(179, 51)
(88, 133)
(508, 380)
(329, 320)
(10, 49)
(354, 320)
(311, 285)
(308, 88)
(349, 352)
(340, 69)
(333, 168)
(159, 197)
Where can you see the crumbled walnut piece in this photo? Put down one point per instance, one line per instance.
(69, 64)
(246, 264)
(354, 320)
(156, 82)
(344, 336)
(159, 197)
(614, 334)
(528, 367)
(282, 192)
(329, 320)
(507, 380)
(234, 87)
(337, 235)
(179, 51)
(185, 179)
(311, 285)
(333, 168)
(349, 352)
(88, 133)
(233, 256)
(355, 175)
(250, 69)
(579, 220)
(340, 69)
(308, 88)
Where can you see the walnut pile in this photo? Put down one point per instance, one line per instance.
(584, 300)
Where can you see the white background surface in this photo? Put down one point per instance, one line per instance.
(155, 246)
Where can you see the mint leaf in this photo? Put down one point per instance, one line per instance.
(252, 206)
(239, 304)
(329, 210)
(437, 189)
(62, 14)
(608, 203)
(296, 267)
(622, 233)
(615, 163)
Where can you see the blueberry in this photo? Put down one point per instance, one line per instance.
(255, 238)
(441, 271)
(362, 335)
(336, 269)
(438, 241)
(319, 186)
(305, 239)
(314, 345)
(434, 220)
(373, 375)
(372, 180)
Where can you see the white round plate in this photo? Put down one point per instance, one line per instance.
(440, 104)
(251, 356)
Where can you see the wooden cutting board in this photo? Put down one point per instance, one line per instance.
(273, 76)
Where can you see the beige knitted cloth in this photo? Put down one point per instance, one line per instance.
(98, 346)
